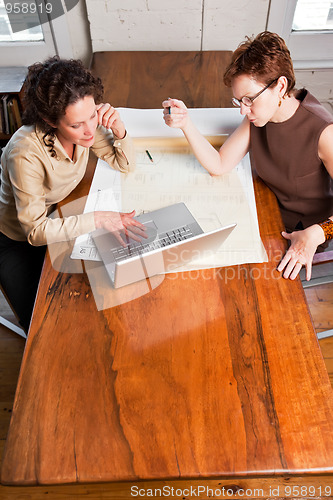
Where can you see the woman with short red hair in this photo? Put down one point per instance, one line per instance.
(289, 136)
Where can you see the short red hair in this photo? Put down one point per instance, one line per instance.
(264, 58)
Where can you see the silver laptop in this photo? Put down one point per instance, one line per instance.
(173, 238)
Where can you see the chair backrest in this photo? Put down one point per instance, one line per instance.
(9, 324)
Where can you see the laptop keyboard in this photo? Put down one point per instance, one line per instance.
(162, 240)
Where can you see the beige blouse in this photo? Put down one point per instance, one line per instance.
(32, 182)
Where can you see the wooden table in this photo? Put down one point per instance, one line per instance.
(217, 375)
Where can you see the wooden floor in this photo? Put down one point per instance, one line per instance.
(320, 300)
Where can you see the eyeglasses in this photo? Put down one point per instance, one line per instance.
(248, 101)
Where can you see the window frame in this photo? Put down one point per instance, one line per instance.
(309, 49)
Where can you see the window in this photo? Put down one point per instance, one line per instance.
(32, 31)
(30, 20)
(307, 28)
(313, 16)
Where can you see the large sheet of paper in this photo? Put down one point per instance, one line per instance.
(174, 176)
(150, 123)
(213, 201)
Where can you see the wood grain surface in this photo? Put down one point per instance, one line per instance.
(145, 79)
(209, 374)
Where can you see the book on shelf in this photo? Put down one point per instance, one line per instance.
(11, 118)
(2, 119)
(17, 113)
(4, 103)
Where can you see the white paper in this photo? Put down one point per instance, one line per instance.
(176, 176)
(150, 123)
(214, 201)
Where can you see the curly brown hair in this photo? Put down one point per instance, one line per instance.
(50, 87)
(265, 58)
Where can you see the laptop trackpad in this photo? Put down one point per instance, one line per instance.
(150, 234)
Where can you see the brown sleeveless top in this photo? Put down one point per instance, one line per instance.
(285, 156)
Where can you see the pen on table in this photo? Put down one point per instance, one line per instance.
(149, 156)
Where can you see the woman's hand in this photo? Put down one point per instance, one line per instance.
(109, 117)
(119, 224)
(175, 113)
(303, 246)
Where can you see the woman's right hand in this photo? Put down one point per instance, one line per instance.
(120, 223)
(175, 113)
(109, 117)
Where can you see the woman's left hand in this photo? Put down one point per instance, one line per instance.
(109, 117)
(303, 246)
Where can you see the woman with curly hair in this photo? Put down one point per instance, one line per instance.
(289, 136)
(44, 161)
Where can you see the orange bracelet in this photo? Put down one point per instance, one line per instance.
(327, 227)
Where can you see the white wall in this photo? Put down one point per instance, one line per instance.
(81, 40)
(173, 24)
(178, 25)
(320, 83)
(228, 22)
(79, 32)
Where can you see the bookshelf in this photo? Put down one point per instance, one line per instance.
(11, 83)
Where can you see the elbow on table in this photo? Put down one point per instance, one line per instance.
(131, 164)
(125, 162)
